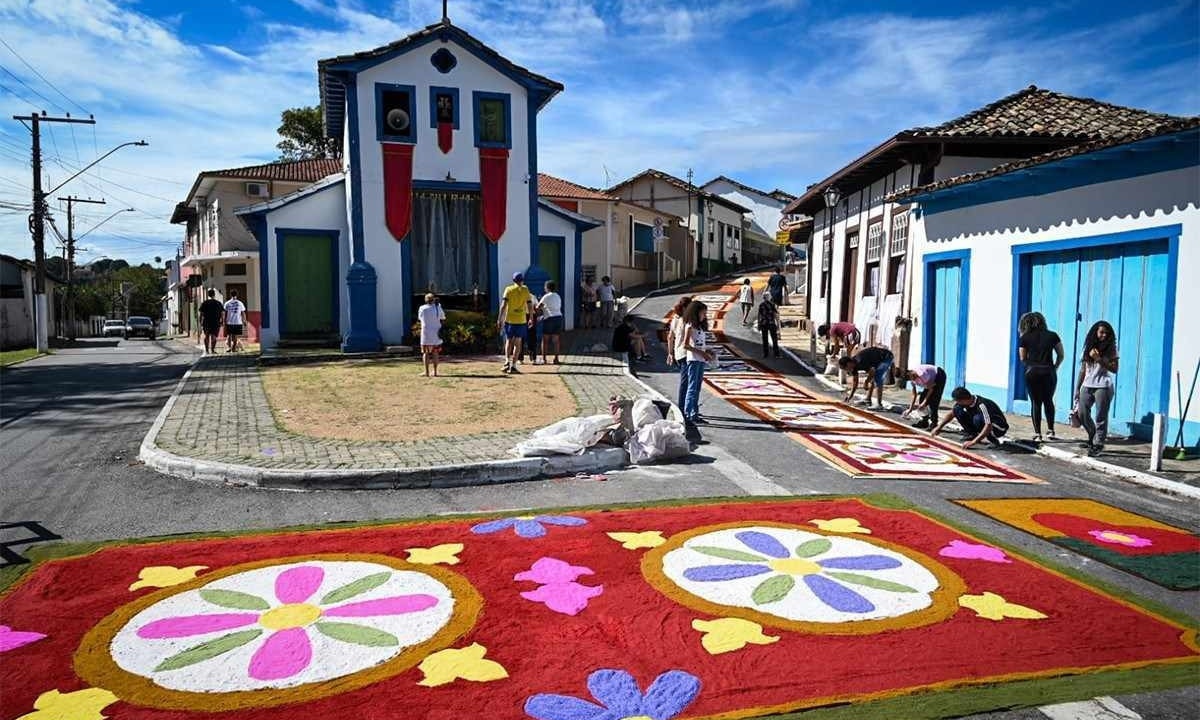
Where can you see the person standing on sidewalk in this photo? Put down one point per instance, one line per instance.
(777, 285)
(695, 325)
(980, 418)
(768, 323)
(431, 316)
(608, 299)
(1096, 384)
(932, 381)
(676, 355)
(550, 307)
(876, 362)
(234, 313)
(515, 309)
(1041, 350)
(587, 307)
(746, 298)
(212, 314)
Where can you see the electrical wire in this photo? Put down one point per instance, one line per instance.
(28, 87)
(40, 76)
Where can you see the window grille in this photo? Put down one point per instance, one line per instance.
(874, 241)
(899, 244)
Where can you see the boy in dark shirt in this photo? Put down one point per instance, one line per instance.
(876, 362)
(211, 314)
(768, 323)
(980, 418)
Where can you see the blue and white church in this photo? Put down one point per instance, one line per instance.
(438, 193)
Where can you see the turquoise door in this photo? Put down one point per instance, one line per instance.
(946, 291)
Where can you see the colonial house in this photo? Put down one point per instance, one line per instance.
(763, 221)
(861, 263)
(220, 251)
(1103, 230)
(623, 246)
(714, 223)
(438, 191)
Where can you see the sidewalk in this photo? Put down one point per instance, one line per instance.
(1128, 457)
(219, 427)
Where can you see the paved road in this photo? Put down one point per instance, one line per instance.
(71, 424)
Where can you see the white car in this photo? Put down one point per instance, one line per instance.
(114, 327)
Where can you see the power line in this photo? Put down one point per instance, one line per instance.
(28, 87)
(42, 77)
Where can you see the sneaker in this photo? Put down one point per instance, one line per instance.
(1095, 450)
(1037, 438)
(1051, 437)
(994, 442)
(922, 424)
(513, 370)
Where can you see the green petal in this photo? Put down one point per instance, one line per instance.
(727, 554)
(208, 650)
(357, 634)
(773, 589)
(234, 599)
(358, 587)
(813, 547)
(871, 582)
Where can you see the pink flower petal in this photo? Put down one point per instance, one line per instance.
(552, 570)
(295, 585)
(567, 598)
(284, 654)
(972, 551)
(188, 625)
(397, 605)
(12, 639)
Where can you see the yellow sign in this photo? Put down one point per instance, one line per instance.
(782, 237)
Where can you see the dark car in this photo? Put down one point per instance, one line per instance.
(140, 326)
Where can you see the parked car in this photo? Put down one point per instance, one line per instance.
(114, 327)
(142, 326)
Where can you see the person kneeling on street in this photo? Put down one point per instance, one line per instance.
(981, 419)
(628, 340)
(876, 362)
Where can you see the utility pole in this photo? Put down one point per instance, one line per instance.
(71, 200)
(37, 223)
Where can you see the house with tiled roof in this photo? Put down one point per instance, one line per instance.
(622, 246)
(1106, 229)
(765, 219)
(861, 260)
(218, 249)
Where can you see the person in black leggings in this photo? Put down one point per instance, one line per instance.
(1041, 351)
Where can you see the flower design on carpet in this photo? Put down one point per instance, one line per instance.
(882, 451)
(1114, 537)
(282, 625)
(620, 698)
(795, 577)
(756, 386)
(527, 526)
(824, 416)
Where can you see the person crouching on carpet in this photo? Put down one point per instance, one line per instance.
(981, 419)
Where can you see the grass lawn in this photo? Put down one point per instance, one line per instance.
(392, 401)
(8, 357)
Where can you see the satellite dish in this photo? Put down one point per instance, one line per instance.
(397, 120)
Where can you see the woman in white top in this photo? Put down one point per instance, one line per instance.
(695, 325)
(550, 311)
(431, 316)
(1096, 384)
(676, 355)
(746, 298)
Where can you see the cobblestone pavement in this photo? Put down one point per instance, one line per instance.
(222, 415)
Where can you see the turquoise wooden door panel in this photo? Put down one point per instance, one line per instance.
(1054, 292)
(945, 317)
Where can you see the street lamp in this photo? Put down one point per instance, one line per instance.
(110, 217)
(85, 168)
(832, 197)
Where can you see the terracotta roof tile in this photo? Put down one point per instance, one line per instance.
(553, 187)
(682, 185)
(292, 171)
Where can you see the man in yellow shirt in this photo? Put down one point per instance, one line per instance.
(515, 310)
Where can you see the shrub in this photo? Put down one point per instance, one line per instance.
(466, 332)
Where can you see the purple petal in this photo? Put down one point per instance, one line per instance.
(563, 707)
(295, 585)
(284, 654)
(669, 694)
(838, 597)
(188, 625)
(529, 529)
(617, 691)
(398, 605)
(763, 543)
(716, 573)
(560, 520)
(493, 526)
(860, 562)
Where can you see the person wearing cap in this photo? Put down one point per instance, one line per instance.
(515, 310)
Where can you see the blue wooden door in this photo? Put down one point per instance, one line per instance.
(946, 313)
(1054, 292)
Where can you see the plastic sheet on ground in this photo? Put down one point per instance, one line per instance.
(657, 441)
(571, 436)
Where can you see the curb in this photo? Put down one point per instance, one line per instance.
(439, 476)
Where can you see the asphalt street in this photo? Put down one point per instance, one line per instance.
(71, 424)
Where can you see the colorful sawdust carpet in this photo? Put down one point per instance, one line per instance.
(902, 457)
(755, 386)
(1163, 554)
(743, 609)
(818, 416)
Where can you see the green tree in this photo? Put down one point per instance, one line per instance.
(303, 133)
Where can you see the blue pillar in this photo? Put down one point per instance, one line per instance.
(363, 335)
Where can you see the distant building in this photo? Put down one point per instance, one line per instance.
(16, 303)
(764, 219)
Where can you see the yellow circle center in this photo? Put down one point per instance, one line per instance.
(526, 517)
(289, 616)
(1116, 537)
(794, 566)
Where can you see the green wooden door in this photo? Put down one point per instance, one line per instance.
(309, 280)
(550, 258)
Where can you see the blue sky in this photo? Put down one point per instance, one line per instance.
(776, 93)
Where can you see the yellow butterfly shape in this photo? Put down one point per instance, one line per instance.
(993, 607)
(728, 634)
(466, 663)
(436, 555)
(637, 540)
(79, 705)
(841, 525)
(161, 576)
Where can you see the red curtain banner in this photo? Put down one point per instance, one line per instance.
(445, 136)
(493, 191)
(397, 188)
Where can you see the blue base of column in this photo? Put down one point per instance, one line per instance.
(364, 329)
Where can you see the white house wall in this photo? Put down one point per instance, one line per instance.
(430, 164)
(323, 210)
(990, 231)
(765, 212)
